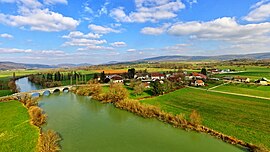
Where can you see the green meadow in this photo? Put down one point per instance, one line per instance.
(16, 133)
(255, 90)
(5, 93)
(253, 72)
(245, 118)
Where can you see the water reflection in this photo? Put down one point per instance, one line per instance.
(88, 125)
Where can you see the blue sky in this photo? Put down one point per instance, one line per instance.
(99, 31)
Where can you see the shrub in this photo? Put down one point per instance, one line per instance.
(195, 118)
(37, 116)
(116, 93)
(49, 142)
(139, 88)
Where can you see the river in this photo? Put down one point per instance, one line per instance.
(88, 125)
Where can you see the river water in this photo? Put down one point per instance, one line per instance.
(88, 125)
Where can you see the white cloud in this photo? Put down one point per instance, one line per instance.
(226, 29)
(149, 10)
(14, 50)
(258, 4)
(101, 29)
(78, 34)
(5, 35)
(191, 2)
(84, 42)
(118, 44)
(131, 50)
(31, 15)
(95, 48)
(24, 3)
(103, 9)
(52, 2)
(155, 30)
(260, 12)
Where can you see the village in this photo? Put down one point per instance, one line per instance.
(197, 79)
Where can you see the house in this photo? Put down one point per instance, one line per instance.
(116, 79)
(241, 79)
(141, 76)
(199, 75)
(213, 71)
(175, 78)
(199, 83)
(155, 76)
(263, 81)
(146, 84)
(228, 78)
(226, 71)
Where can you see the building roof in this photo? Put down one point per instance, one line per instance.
(242, 78)
(156, 74)
(199, 75)
(115, 77)
(199, 81)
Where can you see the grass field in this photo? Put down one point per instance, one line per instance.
(16, 133)
(246, 118)
(5, 93)
(253, 72)
(262, 91)
(17, 73)
(252, 75)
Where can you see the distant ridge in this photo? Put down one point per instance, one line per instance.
(254, 56)
(13, 65)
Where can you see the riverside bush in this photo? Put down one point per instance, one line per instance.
(37, 116)
(49, 142)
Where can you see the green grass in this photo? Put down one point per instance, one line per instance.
(253, 72)
(246, 118)
(5, 93)
(17, 73)
(262, 91)
(252, 75)
(16, 133)
(246, 68)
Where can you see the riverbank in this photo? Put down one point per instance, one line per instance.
(152, 111)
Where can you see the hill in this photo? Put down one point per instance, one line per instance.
(254, 56)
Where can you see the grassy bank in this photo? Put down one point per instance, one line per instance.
(16, 133)
(5, 93)
(247, 119)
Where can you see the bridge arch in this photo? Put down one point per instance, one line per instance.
(46, 93)
(35, 94)
(56, 90)
(66, 89)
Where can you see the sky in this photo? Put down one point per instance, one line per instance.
(100, 31)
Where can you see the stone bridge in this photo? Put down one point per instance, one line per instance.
(43, 91)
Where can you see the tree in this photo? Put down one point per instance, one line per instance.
(168, 86)
(95, 76)
(203, 71)
(139, 88)
(156, 88)
(195, 118)
(102, 76)
(117, 93)
(131, 73)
